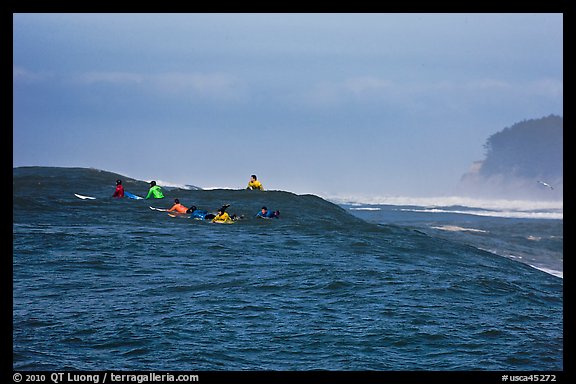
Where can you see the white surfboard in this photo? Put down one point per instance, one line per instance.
(84, 197)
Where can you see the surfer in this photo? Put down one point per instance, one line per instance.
(178, 207)
(119, 191)
(155, 191)
(198, 214)
(224, 217)
(266, 214)
(254, 183)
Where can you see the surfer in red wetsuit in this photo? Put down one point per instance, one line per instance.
(119, 192)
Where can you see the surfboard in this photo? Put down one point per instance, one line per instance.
(84, 197)
(132, 196)
(179, 214)
(158, 209)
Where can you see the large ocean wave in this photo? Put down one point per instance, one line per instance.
(110, 284)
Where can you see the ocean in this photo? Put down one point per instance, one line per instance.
(108, 284)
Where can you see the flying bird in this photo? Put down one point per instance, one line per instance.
(545, 184)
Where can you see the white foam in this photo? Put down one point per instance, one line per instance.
(534, 238)
(447, 201)
(172, 185)
(553, 272)
(504, 213)
(162, 183)
(213, 188)
(455, 228)
(527, 209)
(364, 209)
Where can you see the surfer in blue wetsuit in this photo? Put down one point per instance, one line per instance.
(198, 214)
(266, 214)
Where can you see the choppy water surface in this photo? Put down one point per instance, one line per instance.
(110, 284)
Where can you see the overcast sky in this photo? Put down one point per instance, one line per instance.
(356, 104)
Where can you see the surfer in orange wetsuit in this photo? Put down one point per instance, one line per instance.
(178, 207)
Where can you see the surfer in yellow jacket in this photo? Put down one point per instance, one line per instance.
(254, 183)
(222, 216)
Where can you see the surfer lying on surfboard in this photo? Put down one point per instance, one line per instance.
(178, 207)
(198, 214)
(201, 214)
(267, 214)
(223, 216)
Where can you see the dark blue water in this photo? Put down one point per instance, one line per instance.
(109, 284)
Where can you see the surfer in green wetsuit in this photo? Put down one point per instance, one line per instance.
(155, 191)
